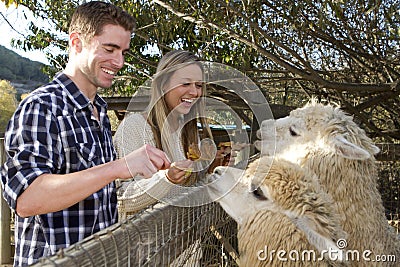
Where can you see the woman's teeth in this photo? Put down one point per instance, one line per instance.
(188, 100)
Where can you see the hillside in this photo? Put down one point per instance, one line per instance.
(24, 74)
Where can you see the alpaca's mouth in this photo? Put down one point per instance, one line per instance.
(213, 187)
(212, 177)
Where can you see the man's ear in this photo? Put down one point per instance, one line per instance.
(75, 41)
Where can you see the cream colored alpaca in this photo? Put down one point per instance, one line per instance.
(327, 141)
(284, 210)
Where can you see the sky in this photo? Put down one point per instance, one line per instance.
(16, 18)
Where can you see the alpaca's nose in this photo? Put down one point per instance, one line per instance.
(219, 170)
(267, 128)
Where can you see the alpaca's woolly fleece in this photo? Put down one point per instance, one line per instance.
(327, 141)
(287, 211)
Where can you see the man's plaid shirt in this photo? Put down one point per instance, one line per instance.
(54, 131)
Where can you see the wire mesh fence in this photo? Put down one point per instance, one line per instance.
(389, 187)
(159, 236)
(165, 235)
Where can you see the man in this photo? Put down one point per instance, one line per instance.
(60, 170)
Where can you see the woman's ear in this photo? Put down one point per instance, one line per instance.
(75, 41)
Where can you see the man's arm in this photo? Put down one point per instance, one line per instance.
(54, 192)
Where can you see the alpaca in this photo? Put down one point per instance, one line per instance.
(327, 141)
(285, 220)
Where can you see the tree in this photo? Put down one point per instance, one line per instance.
(341, 51)
(7, 103)
(14, 68)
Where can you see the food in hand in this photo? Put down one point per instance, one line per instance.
(194, 152)
(206, 151)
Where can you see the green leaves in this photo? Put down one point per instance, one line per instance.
(343, 51)
(7, 103)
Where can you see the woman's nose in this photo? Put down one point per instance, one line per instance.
(194, 90)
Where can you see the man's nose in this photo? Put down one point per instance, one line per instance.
(118, 60)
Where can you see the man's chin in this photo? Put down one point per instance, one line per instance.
(105, 85)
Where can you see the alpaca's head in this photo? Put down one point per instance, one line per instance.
(277, 185)
(315, 129)
(231, 188)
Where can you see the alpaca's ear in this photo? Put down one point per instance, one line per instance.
(322, 241)
(375, 149)
(349, 150)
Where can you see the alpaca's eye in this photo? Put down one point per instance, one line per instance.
(258, 193)
(293, 132)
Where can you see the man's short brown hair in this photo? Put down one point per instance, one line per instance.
(90, 18)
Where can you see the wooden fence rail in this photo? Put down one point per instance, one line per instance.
(5, 218)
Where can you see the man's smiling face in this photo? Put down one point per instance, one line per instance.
(104, 55)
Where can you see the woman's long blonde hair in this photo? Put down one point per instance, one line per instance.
(158, 109)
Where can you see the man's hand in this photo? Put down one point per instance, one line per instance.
(145, 161)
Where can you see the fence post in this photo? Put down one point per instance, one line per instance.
(5, 216)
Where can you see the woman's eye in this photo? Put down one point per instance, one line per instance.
(293, 132)
(199, 85)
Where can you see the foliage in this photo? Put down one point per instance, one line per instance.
(7, 103)
(113, 120)
(341, 51)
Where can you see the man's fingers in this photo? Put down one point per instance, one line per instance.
(149, 170)
(158, 157)
(146, 161)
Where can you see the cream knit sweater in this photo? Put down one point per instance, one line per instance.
(139, 193)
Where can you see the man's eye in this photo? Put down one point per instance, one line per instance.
(109, 50)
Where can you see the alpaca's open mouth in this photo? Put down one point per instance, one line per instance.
(213, 177)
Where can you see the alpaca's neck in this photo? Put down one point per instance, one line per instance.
(352, 183)
(339, 175)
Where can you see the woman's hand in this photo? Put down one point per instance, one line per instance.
(179, 171)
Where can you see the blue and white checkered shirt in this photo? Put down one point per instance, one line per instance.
(54, 131)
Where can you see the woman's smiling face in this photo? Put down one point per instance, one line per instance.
(184, 88)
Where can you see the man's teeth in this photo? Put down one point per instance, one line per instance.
(188, 100)
(108, 71)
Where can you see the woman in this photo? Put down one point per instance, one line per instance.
(171, 123)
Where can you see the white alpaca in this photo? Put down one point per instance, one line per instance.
(286, 220)
(327, 141)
